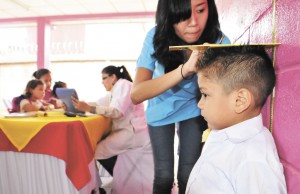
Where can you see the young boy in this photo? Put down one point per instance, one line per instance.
(239, 156)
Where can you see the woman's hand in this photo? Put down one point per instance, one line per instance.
(145, 87)
(80, 105)
(190, 67)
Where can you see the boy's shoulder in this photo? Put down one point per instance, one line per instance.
(244, 130)
(248, 139)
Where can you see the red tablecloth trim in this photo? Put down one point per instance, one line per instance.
(68, 141)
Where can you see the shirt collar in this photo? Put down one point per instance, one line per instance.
(114, 86)
(239, 132)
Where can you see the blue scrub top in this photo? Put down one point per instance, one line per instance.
(176, 104)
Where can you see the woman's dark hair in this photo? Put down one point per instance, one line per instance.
(120, 72)
(170, 12)
(30, 85)
(58, 84)
(40, 72)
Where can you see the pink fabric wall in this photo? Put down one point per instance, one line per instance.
(252, 22)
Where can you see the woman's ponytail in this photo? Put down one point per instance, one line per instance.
(120, 72)
(124, 73)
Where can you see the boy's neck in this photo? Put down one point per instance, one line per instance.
(247, 114)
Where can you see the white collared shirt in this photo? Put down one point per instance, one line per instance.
(241, 159)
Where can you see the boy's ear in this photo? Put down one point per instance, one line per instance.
(243, 100)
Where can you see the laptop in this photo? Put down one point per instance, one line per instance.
(65, 95)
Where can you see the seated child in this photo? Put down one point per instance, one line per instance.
(31, 100)
(54, 99)
(240, 155)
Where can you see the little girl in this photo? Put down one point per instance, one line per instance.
(58, 103)
(31, 100)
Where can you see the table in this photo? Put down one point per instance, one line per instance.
(52, 154)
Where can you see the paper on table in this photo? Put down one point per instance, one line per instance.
(21, 115)
(55, 112)
(206, 46)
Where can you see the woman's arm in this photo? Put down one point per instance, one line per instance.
(106, 111)
(144, 87)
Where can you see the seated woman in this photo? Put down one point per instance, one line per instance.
(31, 100)
(129, 140)
(46, 77)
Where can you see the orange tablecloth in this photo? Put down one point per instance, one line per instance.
(70, 139)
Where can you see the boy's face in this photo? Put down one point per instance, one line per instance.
(216, 106)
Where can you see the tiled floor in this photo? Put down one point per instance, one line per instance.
(107, 179)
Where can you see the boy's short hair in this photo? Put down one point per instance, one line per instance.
(238, 67)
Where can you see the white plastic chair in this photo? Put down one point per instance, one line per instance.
(8, 104)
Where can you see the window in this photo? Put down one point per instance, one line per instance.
(78, 53)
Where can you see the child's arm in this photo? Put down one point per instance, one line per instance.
(26, 106)
(47, 106)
